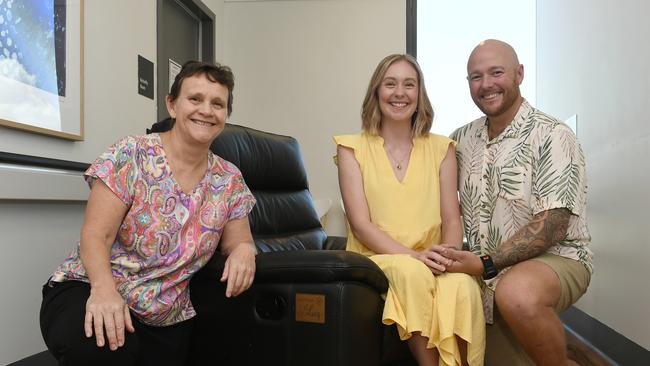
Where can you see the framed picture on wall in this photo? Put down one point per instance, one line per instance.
(41, 67)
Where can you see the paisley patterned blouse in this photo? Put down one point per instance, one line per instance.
(167, 235)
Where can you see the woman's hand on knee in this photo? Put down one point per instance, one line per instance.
(107, 312)
(239, 270)
(436, 263)
(460, 261)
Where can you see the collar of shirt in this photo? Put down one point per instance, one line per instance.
(513, 129)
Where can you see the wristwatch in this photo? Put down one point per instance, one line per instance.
(489, 270)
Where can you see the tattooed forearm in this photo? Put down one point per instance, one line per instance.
(545, 229)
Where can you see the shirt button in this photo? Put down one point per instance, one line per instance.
(482, 236)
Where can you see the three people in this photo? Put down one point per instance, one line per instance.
(398, 184)
(159, 206)
(522, 186)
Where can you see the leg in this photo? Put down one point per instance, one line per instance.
(461, 325)
(164, 346)
(502, 348)
(526, 297)
(462, 348)
(423, 355)
(409, 303)
(62, 318)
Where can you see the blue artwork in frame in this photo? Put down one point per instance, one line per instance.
(41, 66)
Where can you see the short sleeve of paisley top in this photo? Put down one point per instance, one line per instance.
(167, 235)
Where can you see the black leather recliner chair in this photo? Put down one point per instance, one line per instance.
(312, 303)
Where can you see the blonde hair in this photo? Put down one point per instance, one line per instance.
(370, 112)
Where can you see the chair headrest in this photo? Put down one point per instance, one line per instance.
(266, 160)
(284, 217)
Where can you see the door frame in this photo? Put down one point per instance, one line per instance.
(207, 37)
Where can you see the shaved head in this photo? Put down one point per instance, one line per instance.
(494, 75)
(494, 45)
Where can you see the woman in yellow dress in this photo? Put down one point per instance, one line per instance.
(399, 189)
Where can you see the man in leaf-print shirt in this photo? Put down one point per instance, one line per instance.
(522, 186)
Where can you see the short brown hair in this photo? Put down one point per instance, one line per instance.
(370, 112)
(214, 72)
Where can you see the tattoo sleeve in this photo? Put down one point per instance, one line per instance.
(545, 229)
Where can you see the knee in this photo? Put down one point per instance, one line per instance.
(516, 300)
(527, 290)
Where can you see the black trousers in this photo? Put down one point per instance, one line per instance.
(62, 325)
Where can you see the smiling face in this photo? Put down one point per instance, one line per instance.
(200, 109)
(494, 75)
(398, 92)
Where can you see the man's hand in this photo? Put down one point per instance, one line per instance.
(435, 261)
(239, 270)
(106, 309)
(461, 261)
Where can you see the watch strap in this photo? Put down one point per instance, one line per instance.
(489, 270)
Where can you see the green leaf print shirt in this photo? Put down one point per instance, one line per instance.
(535, 164)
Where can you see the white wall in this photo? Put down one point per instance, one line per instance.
(37, 235)
(593, 59)
(302, 68)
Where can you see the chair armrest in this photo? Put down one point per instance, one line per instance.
(335, 243)
(308, 266)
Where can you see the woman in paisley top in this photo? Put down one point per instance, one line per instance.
(159, 206)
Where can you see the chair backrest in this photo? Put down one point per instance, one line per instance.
(284, 217)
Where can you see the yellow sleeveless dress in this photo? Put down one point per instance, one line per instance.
(440, 307)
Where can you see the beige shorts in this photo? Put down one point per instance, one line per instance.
(574, 278)
(502, 347)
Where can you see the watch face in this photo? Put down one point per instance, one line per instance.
(489, 270)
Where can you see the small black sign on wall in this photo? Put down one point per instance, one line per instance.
(145, 77)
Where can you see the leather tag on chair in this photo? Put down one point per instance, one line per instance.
(310, 308)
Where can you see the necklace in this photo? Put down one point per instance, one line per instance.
(400, 161)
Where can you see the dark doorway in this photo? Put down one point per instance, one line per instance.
(185, 32)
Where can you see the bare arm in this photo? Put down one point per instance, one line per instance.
(356, 208)
(105, 307)
(237, 243)
(543, 231)
(449, 209)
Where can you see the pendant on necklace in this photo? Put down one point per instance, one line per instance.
(399, 167)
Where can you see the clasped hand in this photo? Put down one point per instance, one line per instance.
(457, 261)
(433, 259)
(446, 258)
